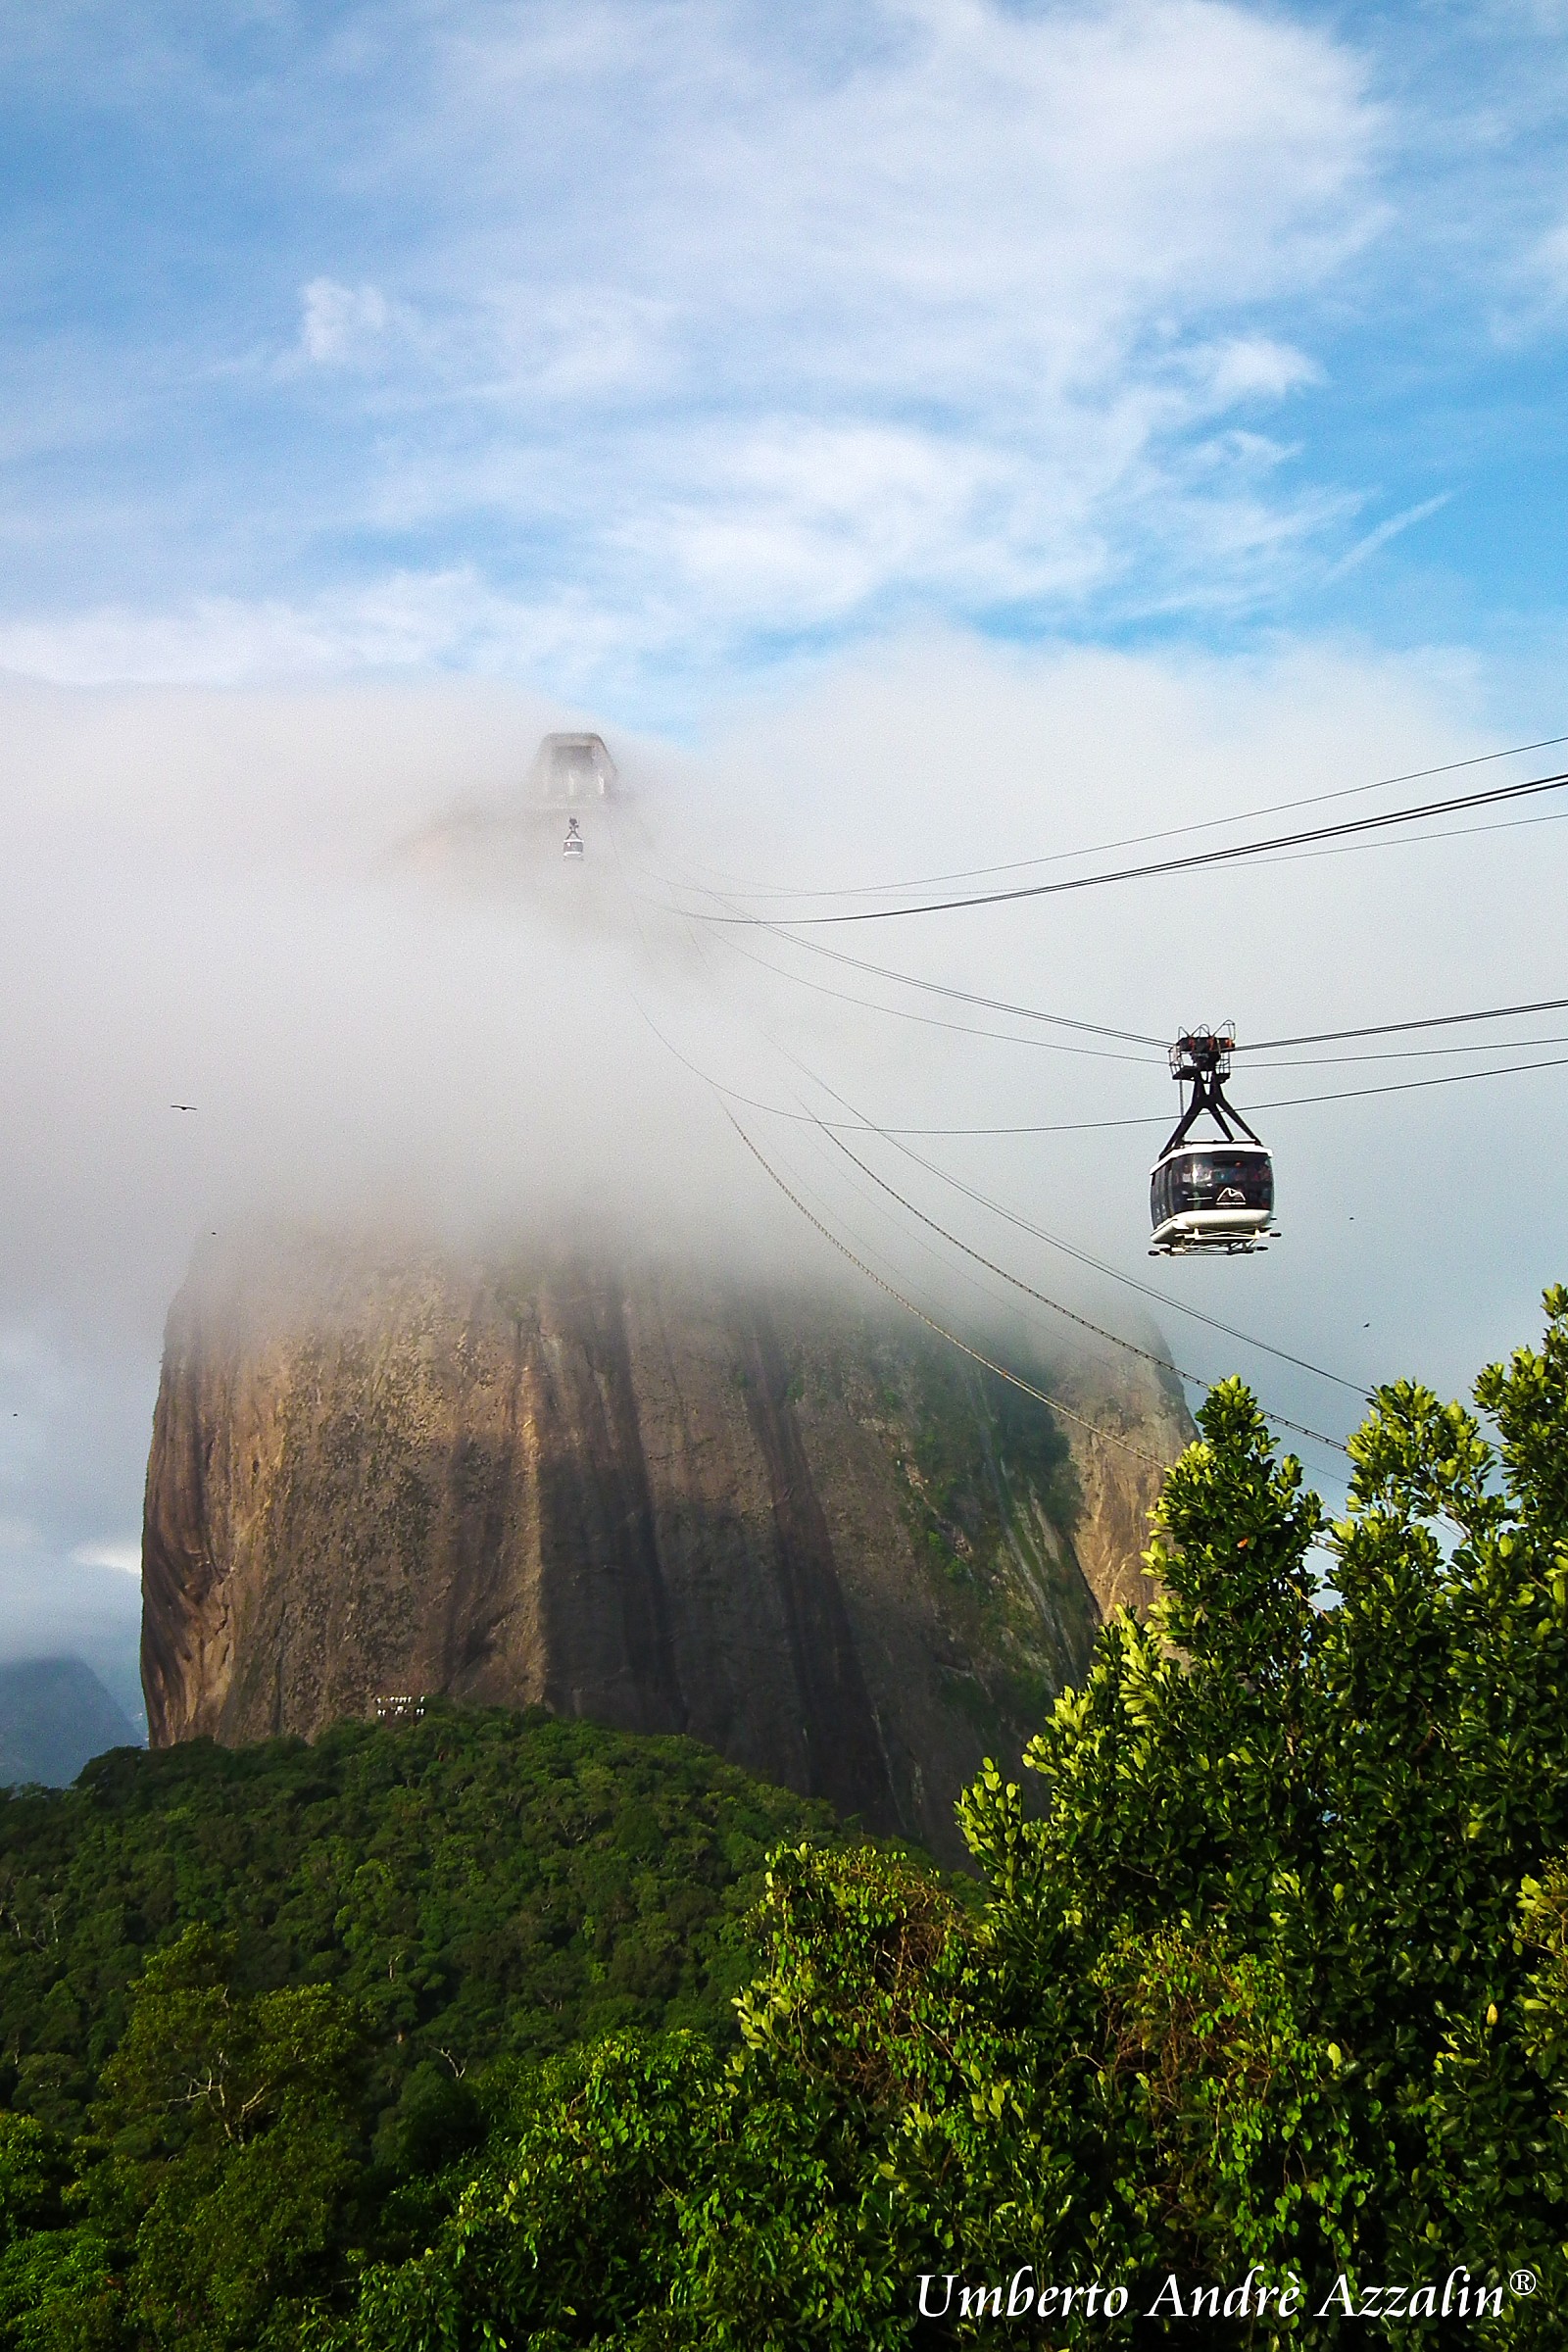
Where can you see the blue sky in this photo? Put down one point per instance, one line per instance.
(634, 351)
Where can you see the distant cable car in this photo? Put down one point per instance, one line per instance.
(574, 845)
(1216, 1194)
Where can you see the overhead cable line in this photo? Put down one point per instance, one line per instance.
(1397, 841)
(1436, 1020)
(1344, 1094)
(1130, 1347)
(1098, 1330)
(872, 1202)
(1114, 1338)
(1193, 862)
(938, 988)
(1350, 1094)
(1405, 1086)
(1052, 1404)
(1029, 1290)
(1161, 1299)
(1026, 1388)
(1053, 1241)
(1005, 1037)
(1135, 841)
(1070, 1249)
(1031, 1013)
(959, 995)
(901, 1013)
(728, 1095)
(1480, 1045)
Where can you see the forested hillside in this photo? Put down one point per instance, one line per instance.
(479, 1884)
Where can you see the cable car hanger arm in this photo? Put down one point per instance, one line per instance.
(1221, 1110)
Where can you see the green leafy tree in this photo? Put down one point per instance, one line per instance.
(58, 2290)
(232, 2143)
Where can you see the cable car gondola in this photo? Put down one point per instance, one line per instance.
(574, 845)
(1214, 1194)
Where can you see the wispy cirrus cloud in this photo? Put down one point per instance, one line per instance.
(339, 323)
(1379, 536)
(398, 621)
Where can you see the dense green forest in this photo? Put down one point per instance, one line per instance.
(385, 1920)
(1264, 1996)
(479, 1885)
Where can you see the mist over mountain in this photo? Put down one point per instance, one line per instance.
(326, 920)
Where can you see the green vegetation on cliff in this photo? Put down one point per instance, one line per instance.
(991, 1500)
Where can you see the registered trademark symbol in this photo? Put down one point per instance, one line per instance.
(1523, 2283)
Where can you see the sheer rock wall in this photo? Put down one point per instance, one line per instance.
(818, 1542)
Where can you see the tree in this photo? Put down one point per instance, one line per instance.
(232, 2133)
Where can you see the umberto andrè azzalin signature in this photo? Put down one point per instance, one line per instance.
(1457, 2297)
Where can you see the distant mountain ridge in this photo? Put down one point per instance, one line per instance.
(817, 1542)
(55, 1717)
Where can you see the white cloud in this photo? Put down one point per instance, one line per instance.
(1038, 176)
(1551, 262)
(933, 317)
(1251, 367)
(942, 309)
(588, 343)
(124, 1556)
(406, 621)
(645, 337)
(340, 323)
(1368, 547)
(667, 326)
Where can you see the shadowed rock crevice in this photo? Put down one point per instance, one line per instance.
(844, 1755)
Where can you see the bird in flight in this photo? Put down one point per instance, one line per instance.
(182, 1106)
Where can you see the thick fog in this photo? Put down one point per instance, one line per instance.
(331, 923)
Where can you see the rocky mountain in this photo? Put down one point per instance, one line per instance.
(55, 1716)
(823, 1543)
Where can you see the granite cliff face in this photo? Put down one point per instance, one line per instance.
(821, 1544)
